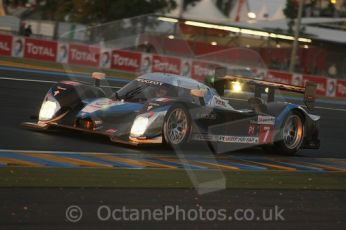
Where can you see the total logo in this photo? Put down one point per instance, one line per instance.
(83, 56)
(4, 46)
(273, 78)
(341, 89)
(203, 71)
(320, 86)
(124, 61)
(165, 67)
(39, 50)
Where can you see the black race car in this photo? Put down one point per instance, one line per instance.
(159, 108)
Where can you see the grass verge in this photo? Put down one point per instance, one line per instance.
(163, 178)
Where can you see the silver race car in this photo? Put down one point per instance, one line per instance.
(159, 108)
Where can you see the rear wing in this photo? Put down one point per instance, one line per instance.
(222, 80)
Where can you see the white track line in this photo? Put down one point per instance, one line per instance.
(28, 80)
(44, 81)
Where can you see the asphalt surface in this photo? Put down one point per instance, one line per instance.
(21, 94)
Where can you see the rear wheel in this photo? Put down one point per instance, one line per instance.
(177, 126)
(290, 137)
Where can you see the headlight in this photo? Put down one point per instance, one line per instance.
(236, 87)
(48, 109)
(139, 126)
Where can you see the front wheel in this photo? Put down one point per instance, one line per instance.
(177, 126)
(290, 137)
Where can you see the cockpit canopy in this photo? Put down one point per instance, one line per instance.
(159, 85)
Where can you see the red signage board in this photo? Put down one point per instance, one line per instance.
(84, 55)
(321, 83)
(40, 49)
(5, 45)
(279, 77)
(340, 88)
(200, 70)
(126, 61)
(166, 64)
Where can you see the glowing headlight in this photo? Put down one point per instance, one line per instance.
(139, 126)
(48, 110)
(236, 87)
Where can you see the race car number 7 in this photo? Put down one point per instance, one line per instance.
(266, 134)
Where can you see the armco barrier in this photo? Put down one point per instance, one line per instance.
(136, 62)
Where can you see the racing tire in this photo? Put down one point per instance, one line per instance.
(290, 137)
(176, 126)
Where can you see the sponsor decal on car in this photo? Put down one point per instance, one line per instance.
(265, 120)
(163, 99)
(206, 115)
(251, 131)
(149, 81)
(111, 131)
(226, 139)
(99, 104)
(266, 134)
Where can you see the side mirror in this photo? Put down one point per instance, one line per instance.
(98, 77)
(198, 92)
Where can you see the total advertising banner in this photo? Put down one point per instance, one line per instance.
(166, 64)
(17, 46)
(105, 58)
(135, 62)
(279, 77)
(62, 56)
(40, 49)
(146, 63)
(340, 88)
(297, 79)
(185, 67)
(321, 84)
(126, 61)
(84, 55)
(331, 87)
(5, 45)
(200, 70)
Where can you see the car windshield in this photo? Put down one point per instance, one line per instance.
(141, 90)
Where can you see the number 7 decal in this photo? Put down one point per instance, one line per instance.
(266, 134)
